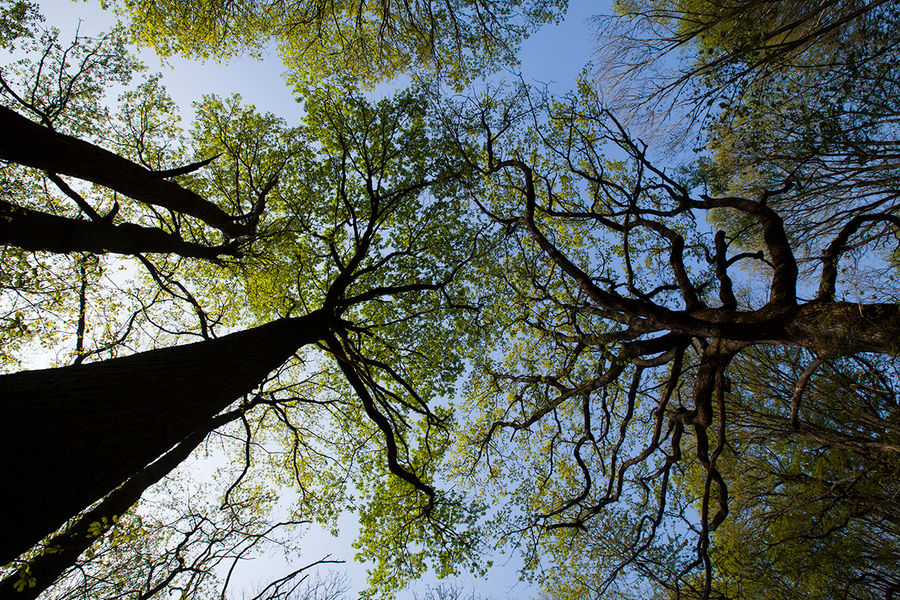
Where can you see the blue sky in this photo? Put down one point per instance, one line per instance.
(554, 56)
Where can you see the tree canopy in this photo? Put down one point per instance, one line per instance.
(365, 41)
(490, 320)
(646, 373)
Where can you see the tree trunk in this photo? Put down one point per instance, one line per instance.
(66, 547)
(834, 328)
(845, 328)
(34, 230)
(27, 143)
(71, 435)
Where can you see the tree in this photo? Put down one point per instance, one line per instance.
(728, 48)
(446, 592)
(691, 412)
(41, 429)
(801, 93)
(615, 376)
(827, 493)
(41, 148)
(87, 428)
(795, 104)
(35, 575)
(182, 539)
(337, 233)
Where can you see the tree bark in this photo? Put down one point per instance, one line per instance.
(832, 328)
(71, 435)
(845, 328)
(66, 547)
(27, 143)
(35, 230)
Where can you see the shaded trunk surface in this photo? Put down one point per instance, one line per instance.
(35, 230)
(71, 435)
(844, 328)
(836, 328)
(46, 568)
(27, 143)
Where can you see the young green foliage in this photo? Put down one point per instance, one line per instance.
(363, 42)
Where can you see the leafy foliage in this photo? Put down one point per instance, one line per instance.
(651, 408)
(363, 42)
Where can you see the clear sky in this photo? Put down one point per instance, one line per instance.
(554, 56)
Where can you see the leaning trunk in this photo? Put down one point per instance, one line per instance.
(47, 567)
(71, 435)
(34, 230)
(845, 328)
(32, 145)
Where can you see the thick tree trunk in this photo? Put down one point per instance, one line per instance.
(27, 143)
(844, 328)
(71, 435)
(66, 547)
(834, 328)
(34, 230)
